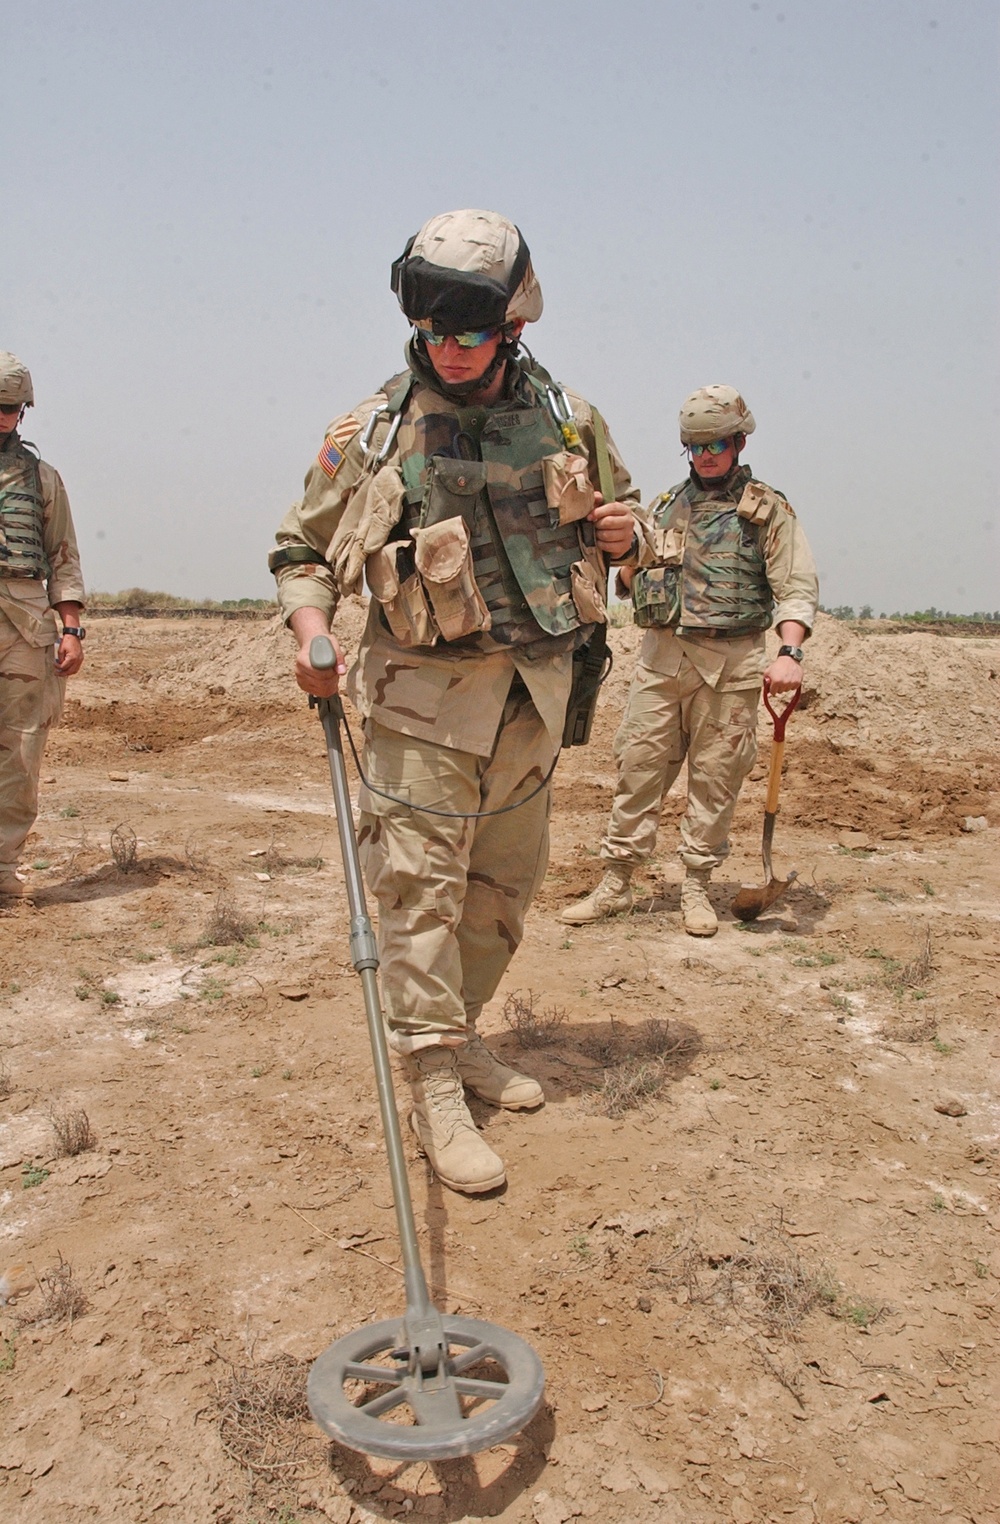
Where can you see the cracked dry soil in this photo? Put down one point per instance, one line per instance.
(769, 1292)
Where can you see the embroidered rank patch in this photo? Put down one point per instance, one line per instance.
(330, 458)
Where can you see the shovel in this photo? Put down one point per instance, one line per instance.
(750, 902)
(426, 1385)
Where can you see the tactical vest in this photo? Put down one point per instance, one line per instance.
(22, 547)
(714, 575)
(485, 466)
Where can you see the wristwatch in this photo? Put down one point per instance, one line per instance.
(75, 629)
(795, 652)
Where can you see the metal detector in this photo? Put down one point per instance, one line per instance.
(430, 1386)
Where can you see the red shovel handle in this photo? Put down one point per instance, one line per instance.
(780, 716)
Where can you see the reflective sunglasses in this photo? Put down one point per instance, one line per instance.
(717, 447)
(11, 407)
(463, 340)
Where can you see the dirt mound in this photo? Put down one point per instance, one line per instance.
(251, 661)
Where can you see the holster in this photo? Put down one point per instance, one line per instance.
(591, 665)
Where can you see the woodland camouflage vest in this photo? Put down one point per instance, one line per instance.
(484, 464)
(22, 548)
(715, 575)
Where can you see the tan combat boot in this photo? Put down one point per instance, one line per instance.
(700, 919)
(12, 884)
(459, 1156)
(612, 895)
(484, 1074)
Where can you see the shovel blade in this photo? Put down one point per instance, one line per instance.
(751, 902)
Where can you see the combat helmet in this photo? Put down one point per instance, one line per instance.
(465, 271)
(15, 381)
(714, 412)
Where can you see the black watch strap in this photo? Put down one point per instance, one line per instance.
(795, 652)
(75, 629)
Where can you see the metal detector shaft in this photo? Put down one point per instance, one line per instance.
(364, 956)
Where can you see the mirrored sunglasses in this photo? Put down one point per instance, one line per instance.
(717, 447)
(463, 340)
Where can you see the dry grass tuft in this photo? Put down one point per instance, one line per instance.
(63, 1299)
(638, 1061)
(74, 1134)
(768, 1284)
(227, 925)
(625, 1087)
(6, 1080)
(260, 1409)
(124, 848)
(532, 1028)
(915, 974)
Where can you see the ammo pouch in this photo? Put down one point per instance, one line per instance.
(451, 490)
(568, 488)
(656, 596)
(592, 663)
(443, 558)
(392, 576)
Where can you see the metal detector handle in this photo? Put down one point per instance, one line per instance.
(364, 956)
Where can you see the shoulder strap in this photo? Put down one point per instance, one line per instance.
(604, 471)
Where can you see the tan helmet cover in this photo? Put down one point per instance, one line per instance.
(714, 412)
(484, 243)
(15, 381)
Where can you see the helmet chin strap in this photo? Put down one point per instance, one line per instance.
(506, 350)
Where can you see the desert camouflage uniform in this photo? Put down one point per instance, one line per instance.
(468, 725)
(31, 694)
(696, 686)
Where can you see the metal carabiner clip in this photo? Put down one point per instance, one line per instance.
(563, 414)
(390, 438)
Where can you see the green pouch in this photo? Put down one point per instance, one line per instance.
(656, 596)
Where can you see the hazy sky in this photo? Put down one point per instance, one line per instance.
(201, 202)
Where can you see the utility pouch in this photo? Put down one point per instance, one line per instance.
(392, 576)
(568, 488)
(591, 665)
(444, 560)
(656, 596)
(588, 595)
(451, 490)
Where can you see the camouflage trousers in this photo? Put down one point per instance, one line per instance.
(452, 893)
(31, 699)
(667, 720)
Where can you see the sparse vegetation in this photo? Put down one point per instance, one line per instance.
(73, 1132)
(32, 1175)
(227, 925)
(533, 1028)
(6, 1080)
(63, 1299)
(261, 1409)
(124, 848)
(638, 1061)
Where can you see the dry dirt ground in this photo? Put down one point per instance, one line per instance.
(767, 1292)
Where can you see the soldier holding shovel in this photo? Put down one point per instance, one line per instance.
(723, 557)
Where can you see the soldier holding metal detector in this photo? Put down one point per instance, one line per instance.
(723, 558)
(482, 503)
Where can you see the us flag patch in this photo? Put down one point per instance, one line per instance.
(330, 457)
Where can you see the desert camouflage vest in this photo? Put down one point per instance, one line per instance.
(22, 548)
(715, 575)
(484, 464)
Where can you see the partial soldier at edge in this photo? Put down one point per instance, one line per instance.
(39, 578)
(466, 491)
(723, 557)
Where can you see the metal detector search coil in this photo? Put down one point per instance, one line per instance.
(428, 1386)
